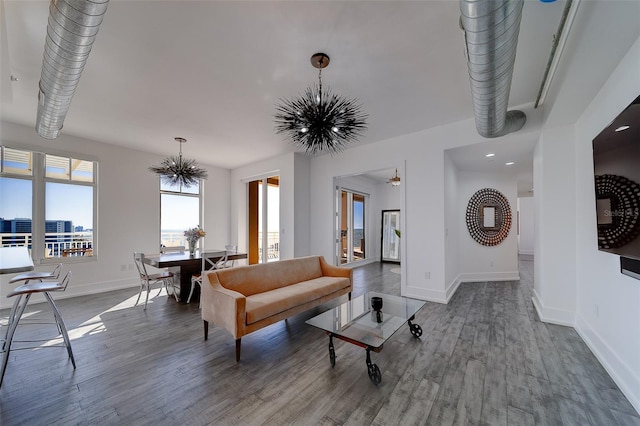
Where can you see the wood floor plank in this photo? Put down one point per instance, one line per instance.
(544, 402)
(470, 402)
(517, 417)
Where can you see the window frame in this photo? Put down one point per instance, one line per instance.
(181, 193)
(39, 180)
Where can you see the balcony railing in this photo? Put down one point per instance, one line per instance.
(71, 244)
(56, 244)
(273, 247)
(176, 238)
(173, 239)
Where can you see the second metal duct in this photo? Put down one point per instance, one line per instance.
(491, 30)
(71, 31)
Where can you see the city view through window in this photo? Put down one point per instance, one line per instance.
(63, 224)
(68, 217)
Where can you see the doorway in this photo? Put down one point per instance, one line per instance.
(390, 236)
(264, 220)
(350, 226)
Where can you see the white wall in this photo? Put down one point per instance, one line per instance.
(452, 227)
(477, 262)
(420, 160)
(555, 289)
(302, 204)
(526, 217)
(608, 303)
(128, 210)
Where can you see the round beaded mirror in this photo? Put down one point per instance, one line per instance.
(488, 217)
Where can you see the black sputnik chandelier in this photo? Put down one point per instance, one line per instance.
(319, 120)
(177, 171)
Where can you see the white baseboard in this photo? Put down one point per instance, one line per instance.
(472, 277)
(423, 294)
(625, 377)
(478, 277)
(553, 315)
(452, 288)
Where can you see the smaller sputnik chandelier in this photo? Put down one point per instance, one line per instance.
(178, 171)
(319, 120)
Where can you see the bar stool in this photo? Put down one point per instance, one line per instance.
(28, 276)
(35, 275)
(24, 293)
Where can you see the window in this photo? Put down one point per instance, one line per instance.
(61, 225)
(179, 211)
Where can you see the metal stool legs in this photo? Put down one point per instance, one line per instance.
(23, 294)
(62, 327)
(11, 329)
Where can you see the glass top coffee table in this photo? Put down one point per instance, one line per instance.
(358, 323)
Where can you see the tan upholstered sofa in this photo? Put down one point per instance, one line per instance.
(248, 298)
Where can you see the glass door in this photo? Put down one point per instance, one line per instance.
(390, 251)
(350, 226)
(264, 220)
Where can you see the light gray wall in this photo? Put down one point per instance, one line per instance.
(607, 302)
(302, 202)
(526, 217)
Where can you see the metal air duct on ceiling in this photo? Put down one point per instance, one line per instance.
(491, 30)
(71, 31)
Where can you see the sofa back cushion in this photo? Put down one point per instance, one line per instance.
(253, 279)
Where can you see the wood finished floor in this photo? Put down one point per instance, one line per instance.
(483, 359)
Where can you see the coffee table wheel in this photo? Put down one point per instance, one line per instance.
(416, 330)
(374, 374)
(332, 357)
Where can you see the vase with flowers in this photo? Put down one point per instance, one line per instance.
(193, 235)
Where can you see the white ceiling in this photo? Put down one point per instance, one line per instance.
(212, 71)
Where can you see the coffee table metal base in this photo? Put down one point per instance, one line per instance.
(372, 369)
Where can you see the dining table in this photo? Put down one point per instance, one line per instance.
(188, 264)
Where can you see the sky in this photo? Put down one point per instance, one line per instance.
(63, 201)
(358, 215)
(178, 212)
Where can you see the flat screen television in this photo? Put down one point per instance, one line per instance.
(616, 163)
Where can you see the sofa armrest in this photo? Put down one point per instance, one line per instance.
(335, 271)
(225, 308)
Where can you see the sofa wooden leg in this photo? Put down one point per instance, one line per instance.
(238, 345)
(349, 295)
(206, 329)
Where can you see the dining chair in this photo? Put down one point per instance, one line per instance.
(23, 293)
(231, 250)
(147, 280)
(207, 265)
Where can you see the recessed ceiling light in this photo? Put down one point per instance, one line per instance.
(491, 154)
(509, 163)
(621, 128)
